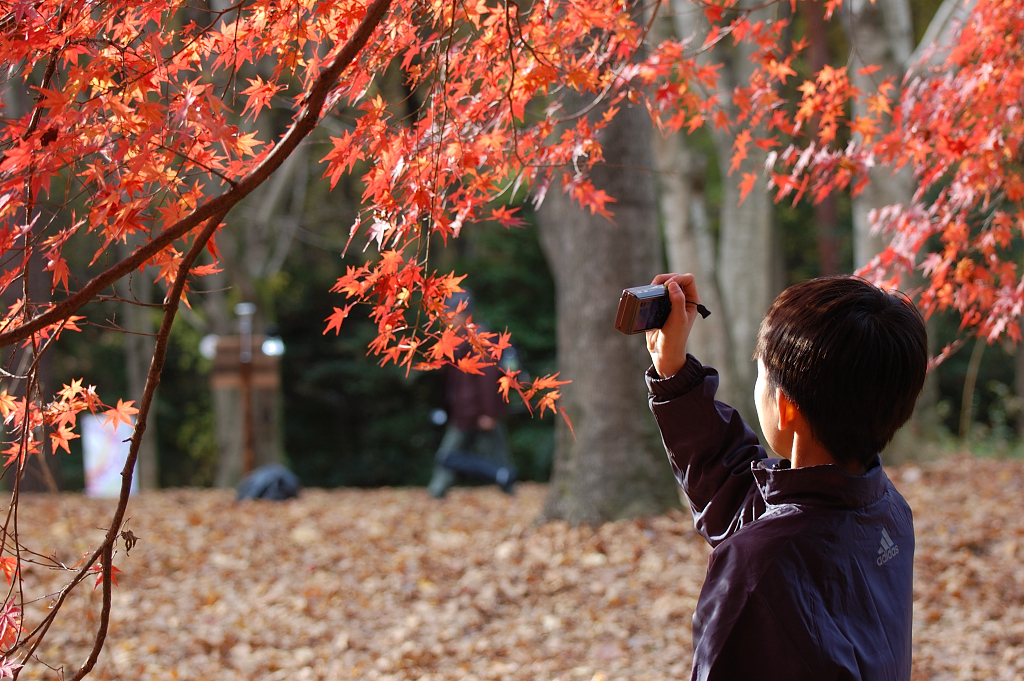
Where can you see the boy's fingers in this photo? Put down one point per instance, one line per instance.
(686, 282)
(662, 278)
(678, 298)
(667, 345)
(682, 279)
(689, 285)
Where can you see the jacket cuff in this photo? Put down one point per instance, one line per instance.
(686, 379)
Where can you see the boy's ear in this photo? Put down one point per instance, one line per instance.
(788, 411)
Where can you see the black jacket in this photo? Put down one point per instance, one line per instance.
(811, 576)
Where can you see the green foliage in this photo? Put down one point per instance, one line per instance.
(348, 421)
(995, 406)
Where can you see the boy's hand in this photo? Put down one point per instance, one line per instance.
(667, 345)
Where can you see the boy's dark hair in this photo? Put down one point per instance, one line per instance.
(850, 356)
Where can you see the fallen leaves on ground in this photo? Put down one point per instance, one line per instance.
(391, 584)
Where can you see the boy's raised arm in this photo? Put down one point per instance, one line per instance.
(709, 446)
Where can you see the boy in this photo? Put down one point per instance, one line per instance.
(811, 576)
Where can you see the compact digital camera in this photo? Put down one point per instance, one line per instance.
(642, 308)
(646, 307)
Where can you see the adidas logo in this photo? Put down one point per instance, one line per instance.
(887, 549)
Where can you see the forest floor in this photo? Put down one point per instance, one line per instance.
(391, 584)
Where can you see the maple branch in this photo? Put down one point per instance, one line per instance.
(105, 551)
(171, 303)
(303, 125)
(51, 68)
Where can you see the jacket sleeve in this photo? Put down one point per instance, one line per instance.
(710, 449)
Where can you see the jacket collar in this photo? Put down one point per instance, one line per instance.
(828, 486)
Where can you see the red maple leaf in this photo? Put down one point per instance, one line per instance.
(747, 184)
(9, 564)
(61, 437)
(739, 149)
(472, 364)
(446, 345)
(336, 318)
(508, 381)
(122, 413)
(59, 267)
(504, 216)
(10, 624)
(99, 579)
(260, 94)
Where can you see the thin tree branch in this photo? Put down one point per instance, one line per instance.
(171, 303)
(104, 551)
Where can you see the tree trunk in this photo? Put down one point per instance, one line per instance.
(615, 467)
(747, 274)
(826, 211)
(881, 34)
(690, 243)
(690, 247)
(941, 32)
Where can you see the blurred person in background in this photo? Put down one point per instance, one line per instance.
(475, 442)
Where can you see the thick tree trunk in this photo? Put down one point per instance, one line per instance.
(940, 34)
(748, 251)
(615, 467)
(826, 211)
(689, 241)
(748, 276)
